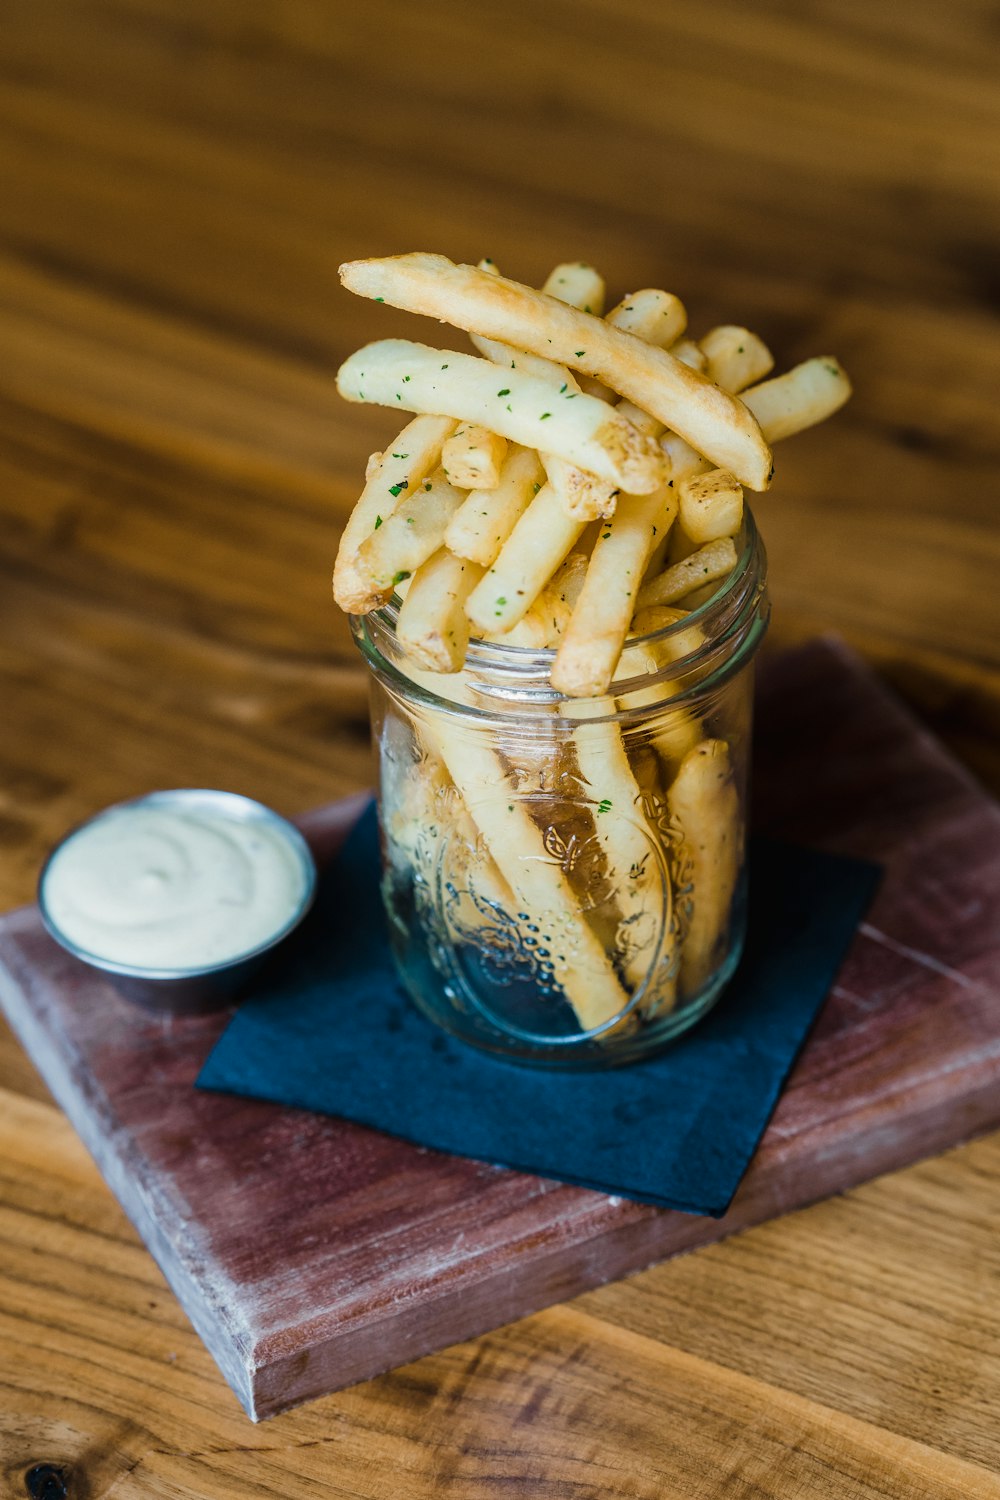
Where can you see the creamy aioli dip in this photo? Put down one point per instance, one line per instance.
(180, 883)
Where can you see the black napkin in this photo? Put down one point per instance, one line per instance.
(332, 1030)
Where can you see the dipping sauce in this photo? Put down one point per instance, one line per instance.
(177, 881)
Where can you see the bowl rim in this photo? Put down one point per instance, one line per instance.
(247, 810)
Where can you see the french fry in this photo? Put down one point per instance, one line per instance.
(641, 419)
(689, 353)
(578, 285)
(710, 506)
(705, 805)
(540, 887)
(535, 548)
(673, 732)
(402, 467)
(709, 563)
(677, 645)
(420, 803)
(473, 456)
(736, 357)
(412, 533)
(584, 497)
(714, 422)
(432, 624)
(656, 317)
(808, 394)
(544, 624)
(585, 661)
(522, 408)
(626, 837)
(682, 459)
(481, 526)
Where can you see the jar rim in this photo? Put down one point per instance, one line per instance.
(743, 590)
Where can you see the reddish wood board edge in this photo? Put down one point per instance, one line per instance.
(310, 1253)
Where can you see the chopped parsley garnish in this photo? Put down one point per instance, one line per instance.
(505, 391)
(535, 488)
(400, 455)
(379, 299)
(378, 522)
(833, 369)
(604, 805)
(544, 416)
(397, 489)
(562, 389)
(580, 353)
(400, 577)
(405, 379)
(444, 367)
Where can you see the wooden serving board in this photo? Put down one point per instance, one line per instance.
(310, 1253)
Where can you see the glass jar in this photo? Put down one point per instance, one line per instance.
(565, 878)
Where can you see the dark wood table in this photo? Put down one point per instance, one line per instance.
(179, 183)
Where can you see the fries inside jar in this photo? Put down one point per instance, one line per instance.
(559, 587)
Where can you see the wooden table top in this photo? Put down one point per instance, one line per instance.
(180, 182)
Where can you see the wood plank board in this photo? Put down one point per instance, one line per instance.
(311, 1253)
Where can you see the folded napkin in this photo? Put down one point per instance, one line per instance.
(329, 1028)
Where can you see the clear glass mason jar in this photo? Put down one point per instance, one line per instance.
(565, 878)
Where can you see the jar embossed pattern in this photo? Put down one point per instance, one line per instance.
(565, 879)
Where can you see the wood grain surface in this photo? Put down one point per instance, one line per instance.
(180, 180)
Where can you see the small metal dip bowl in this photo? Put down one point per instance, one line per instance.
(190, 991)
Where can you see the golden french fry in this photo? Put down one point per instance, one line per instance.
(674, 731)
(519, 407)
(412, 533)
(544, 624)
(641, 419)
(589, 651)
(710, 505)
(736, 357)
(403, 466)
(808, 394)
(679, 643)
(532, 553)
(433, 626)
(578, 285)
(626, 837)
(707, 565)
(584, 497)
(479, 529)
(516, 845)
(688, 352)
(473, 457)
(704, 802)
(682, 459)
(419, 803)
(718, 424)
(655, 317)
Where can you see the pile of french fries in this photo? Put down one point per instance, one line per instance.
(572, 486)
